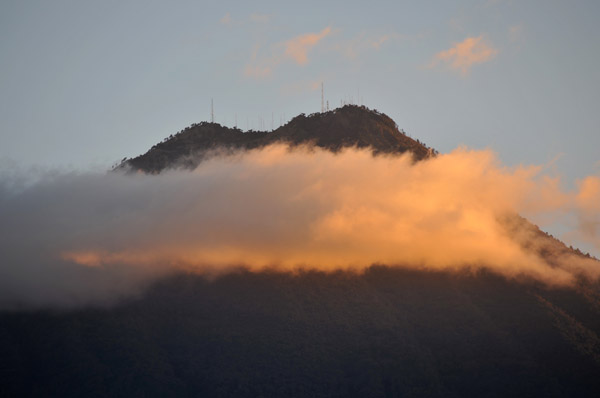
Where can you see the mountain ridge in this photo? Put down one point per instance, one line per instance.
(348, 126)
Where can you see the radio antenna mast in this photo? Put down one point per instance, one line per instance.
(212, 111)
(322, 99)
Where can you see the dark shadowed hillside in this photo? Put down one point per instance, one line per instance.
(389, 332)
(349, 126)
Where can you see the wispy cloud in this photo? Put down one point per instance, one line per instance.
(298, 47)
(462, 56)
(295, 49)
(260, 67)
(588, 202)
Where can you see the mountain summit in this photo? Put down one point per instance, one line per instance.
(349, 126)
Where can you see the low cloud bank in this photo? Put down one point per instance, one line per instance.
(76, 239)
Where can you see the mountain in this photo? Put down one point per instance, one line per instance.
(349, 126)
(387, 332)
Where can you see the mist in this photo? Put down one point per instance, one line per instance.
(73, 239)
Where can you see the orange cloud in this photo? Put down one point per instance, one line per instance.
(588, 206)
(90, 237)
(259, 69)
(588, 197)
(469, 52)
(276, 208)
(298, 47)
(295, 49)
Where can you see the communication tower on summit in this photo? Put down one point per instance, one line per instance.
(322, 99)
(212, 111)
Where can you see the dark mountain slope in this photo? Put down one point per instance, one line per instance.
(349, 126)
(389, 332)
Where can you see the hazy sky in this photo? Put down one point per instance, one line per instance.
(84, 84)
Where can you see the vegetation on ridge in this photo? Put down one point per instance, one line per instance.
(349, 126)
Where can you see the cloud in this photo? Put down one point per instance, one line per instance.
(295, 49)
(462, 56)
(588, 205)
(226, 20)
(259, 69)
(74, 239)
(298, 47)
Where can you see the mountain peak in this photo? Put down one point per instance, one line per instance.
(348, 126)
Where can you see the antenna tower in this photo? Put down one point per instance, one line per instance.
(322, 99)
(212, 111)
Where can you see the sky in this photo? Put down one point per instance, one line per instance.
(84, 84)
